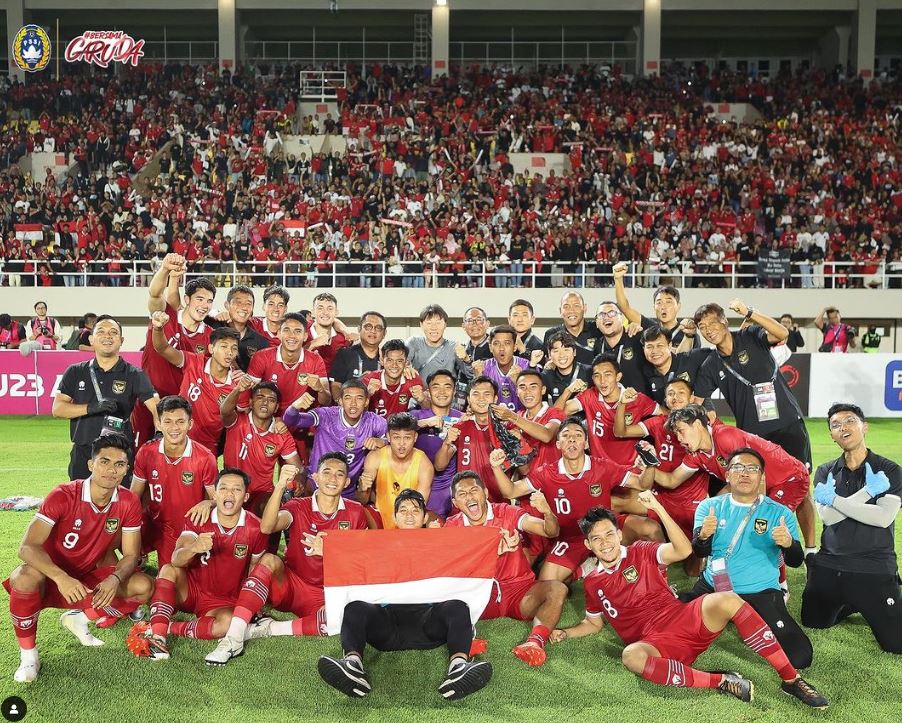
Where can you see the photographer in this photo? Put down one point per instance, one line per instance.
(44, 329)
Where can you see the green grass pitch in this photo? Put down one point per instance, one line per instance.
(276, 680)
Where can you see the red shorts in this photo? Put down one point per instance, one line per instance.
(200, 602)
(569, 553)
(684, 636)
(506, 598)
(295, 595)
(159, 539)
(791, 492)
(682, 511)
(52, 598)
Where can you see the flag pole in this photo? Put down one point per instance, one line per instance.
(57, 49)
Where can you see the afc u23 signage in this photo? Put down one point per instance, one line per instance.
(103, 47)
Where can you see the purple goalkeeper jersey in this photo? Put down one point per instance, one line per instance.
(507, 388)
(334, 434)
(430, 442)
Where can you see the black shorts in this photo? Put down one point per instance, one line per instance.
(794, 439)
(405, 627)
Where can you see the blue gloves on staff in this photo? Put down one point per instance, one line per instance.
(876, 482)
(825, 492)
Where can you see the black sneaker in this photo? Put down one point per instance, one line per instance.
(467, 679)
(805, 692)
(345, 675)
(737, 686)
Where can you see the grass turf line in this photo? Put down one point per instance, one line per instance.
(277, 680)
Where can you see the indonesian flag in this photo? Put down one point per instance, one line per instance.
(29, 232)
(294, 228)
(408, 567)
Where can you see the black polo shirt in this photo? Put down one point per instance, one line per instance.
(676, 333)
(555, 382)
(851, 545)
(631, 357)
(751, 359)
(586, 343)
(685, 366)
(478, 352)
(352, 362)
(124, 383)
(249, 344)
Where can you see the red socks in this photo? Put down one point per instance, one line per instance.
(199, 628)
(665, 671)
(760, 638)
(313, 625)
(119, 607)
(24, 607)
(253, 593)
(539, 635)
(162, 607)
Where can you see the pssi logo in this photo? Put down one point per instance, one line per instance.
(892, 390)
(31, 48)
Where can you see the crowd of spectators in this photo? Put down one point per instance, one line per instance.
(427, 185)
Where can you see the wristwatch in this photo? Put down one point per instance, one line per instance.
(748, 314)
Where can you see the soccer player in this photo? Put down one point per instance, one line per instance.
(208, 569)
(391, 391)
(206, 381)
(520, 596)
(398, 466)
(252, 442)
(667, 365)
(275, 304)
(295, 585)
(327, 336)
(537, 421)
(178, 474)
(432, 424)
(352, 362)
(599, 405)
(406, 627)
(745, 537)
(664, 636)
(563, 375)
(573, 314)
(858, 496)
(503, 367)
(572, 486)
(68, 559)
(666, 301)
(348, 428)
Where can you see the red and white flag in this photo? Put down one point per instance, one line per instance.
(408, 567)
(29, 231)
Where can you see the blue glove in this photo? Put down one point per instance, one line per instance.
(876, 482)
(825, 492)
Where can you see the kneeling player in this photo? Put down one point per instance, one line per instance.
(208, 568)
(520, 596)
(664, 636)
(68, 558)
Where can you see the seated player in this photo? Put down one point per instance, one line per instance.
(252, 442)
(295, 585)
(178, 475)
(207, 572)
(563, 375)
(406, 627)
(349, 427)
(206, 381)
(68, 558)
(390, 390)
(520, 596)
(599, 405)
(664, 636)
(573, 485)
(398, 466)
(504, 367)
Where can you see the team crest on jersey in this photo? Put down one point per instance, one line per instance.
(595, 490)
(112, 524)
(118, 386)
(590, 343)
(187, 478)
(240, 551)
(350, 442)
(302, 378)
(269, 450)
(403, 399)
(627, 354)
(628, 418)
(506, 392)
(631, 574)
(344, 525)
(760, 526)
(721, 461)
(743, 357)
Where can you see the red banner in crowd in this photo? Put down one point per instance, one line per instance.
(28, 384)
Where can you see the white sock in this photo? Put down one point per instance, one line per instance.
(280, 628)
(354, 658)
(237, 628)
(29, 656)
(810, 551)
(81, 618)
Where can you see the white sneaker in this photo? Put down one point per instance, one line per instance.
(76, 623)
(225, 651)
(260, 629)
(27, 672)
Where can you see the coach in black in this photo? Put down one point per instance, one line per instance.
(97, 396)
(858, 496)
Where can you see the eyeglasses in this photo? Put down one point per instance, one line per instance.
(612, 314)
(373, 327)
(838, 424)
(739, 468)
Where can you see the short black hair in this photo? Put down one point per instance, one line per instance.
(201, 283)
(440, 373)
(791, 317)
(483, 379)
(606, 359)
(593, 517)
(108, 317)
(463, 476)
(225, 471)
(337, 456)
(680, 380)
(565, 338)
(572, 421)
(746, 450)
(689, 414)
(372, 313)
(5, 321)
(172, 403)
(402, 422)
(394, 345)
(433, 310)
(38, 303)
(266, 384)
(274, 290)
(705, 309)
(838, 407)
(669, 290)
(354, 383)
(503, 329)
(655, 332)
(294, 316)
(531, 372)
(410, 494)
(113, 440)
(240, 289)
(520, 302)
(224, 332)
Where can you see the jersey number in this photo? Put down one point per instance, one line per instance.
(156, 493)
(608, 607)
(193, 392)
(465, 457)
(666, 452)
(597, 428)
(205, 558)
(562, 507)
(70, 540)
(560, 549)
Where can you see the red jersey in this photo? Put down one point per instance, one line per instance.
(205, 394)
(166, 378)
(328, 351)
(634, 597)
(307, 519)
(671, 454)
(220, 572)
(473, 449)
(512, 566)
(391, 400)
(259, 325)
(267, 364)
(174, 486)
(82, 535)
(571, 496)
(546, 452)
(600, 421)
(256, 452)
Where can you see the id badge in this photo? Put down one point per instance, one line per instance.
(766, 402)
(719, 575)
(111, 425)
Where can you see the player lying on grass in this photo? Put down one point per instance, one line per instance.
(664, 636)
(68, 558)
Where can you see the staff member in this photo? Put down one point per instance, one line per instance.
(858, 496)
(97, 396)
(743, 535)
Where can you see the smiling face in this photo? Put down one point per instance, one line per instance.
(372, 330)
(174, 424)
(678, 395)
(847, 430)
(469, 497)
(292, 334)
(603, 541)
(666, 308)
(433, 328)
(573, 310)
(106, 338)
(609, 320)
(410, 516)
(332, 477)
(530, 390)
(562, 356)
(521, 318)
(198, 305)
(393, 363)
(475, 324)
(324, 312)
(480, 397)
(230, 494)
(274, 308)
(441, 391)
(657, 351)
(606, 380)
(713, 328)
(241, 307)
